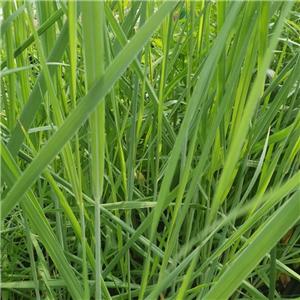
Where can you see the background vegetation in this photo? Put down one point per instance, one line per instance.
(150, 150)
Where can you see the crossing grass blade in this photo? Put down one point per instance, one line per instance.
(41, 226)
(83, 110)
(150, 150)
(267, 237)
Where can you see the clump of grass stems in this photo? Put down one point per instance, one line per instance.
(150, 150)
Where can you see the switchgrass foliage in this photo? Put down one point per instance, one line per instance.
(150, 150)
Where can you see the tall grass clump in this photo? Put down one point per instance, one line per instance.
(150, 150)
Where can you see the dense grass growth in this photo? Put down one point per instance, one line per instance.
(150, 150)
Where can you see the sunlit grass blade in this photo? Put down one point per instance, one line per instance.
(83, 110)
(150, 150)
(240, 135)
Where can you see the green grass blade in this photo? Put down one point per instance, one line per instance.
(267, 237)
(41, 225)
